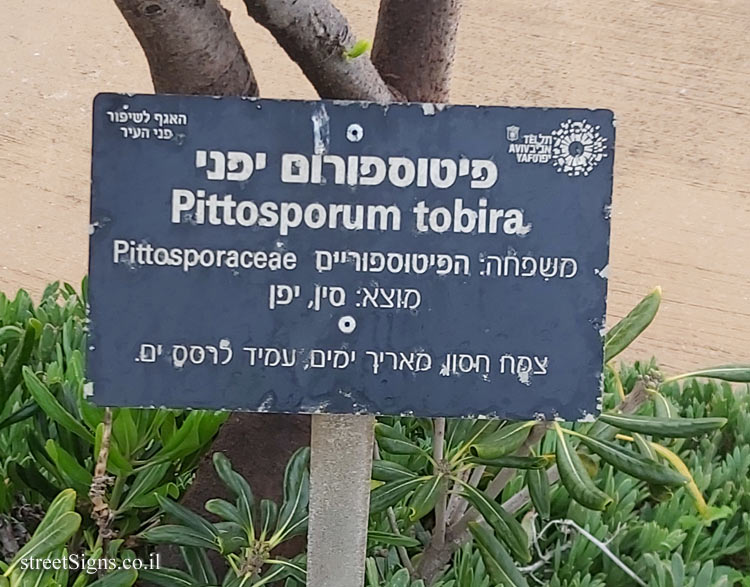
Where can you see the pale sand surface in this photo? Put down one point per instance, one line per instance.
(677, 74)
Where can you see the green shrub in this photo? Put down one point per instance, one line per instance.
(656, 534)
(610, 502)
(246, 536)
(52, 437)
(655, 491)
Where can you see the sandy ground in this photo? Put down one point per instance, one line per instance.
(676, 72)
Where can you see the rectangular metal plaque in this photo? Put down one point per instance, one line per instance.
(346, 257)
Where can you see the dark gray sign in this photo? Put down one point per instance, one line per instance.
(348, 257)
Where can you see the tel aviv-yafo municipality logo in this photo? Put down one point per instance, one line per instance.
(575, 148)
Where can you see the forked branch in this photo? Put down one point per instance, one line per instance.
(317, 36)
(191, 47)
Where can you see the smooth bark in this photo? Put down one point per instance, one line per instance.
(317, 36)
(190, 46)
(414, 47)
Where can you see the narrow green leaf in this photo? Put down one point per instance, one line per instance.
(390, 471)
(504, 441)
(423, 500)
(383, 430)
(53, 408)
(667, 427)
(539, 491)
(55, 533)
(85, 290)
(268, 514)
(233, 537)
(33, 479)
(181, 441)
(50, 292)
(399, 447)
(663, 408)
(21, 414)
(182, 535)
(644, 447)
(295, 473)
(64, 502)
(731, 373)
(226, 511)
(457, 432)
(296, 493)
(238, 486)
(118, 578)
(506, 527)
(388, 539)
(371, 572)
(632, 463)
(209, 425)
(47, 341)
(498, 562)
(168, 578)
(574, 477)
(124, 431)
(167, 428)
(391, 493)
(17, 360)
(10, 333)
(291, 568)
(198, 564)
(394, 441)
(149, 500)
(189, 518)
(630, 327)
(146, 480)
(36, 325)
(513, 462)
(78, 477)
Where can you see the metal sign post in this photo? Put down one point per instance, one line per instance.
(345, 260)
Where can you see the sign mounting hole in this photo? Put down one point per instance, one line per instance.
(347, 324)
(355, 133)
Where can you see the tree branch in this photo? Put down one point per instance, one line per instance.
(438, 440)
(316, 36)
(415, 43)
(455, 502)
(435, 556)
(190, 46)
(520, 499)
(434, 559)
(393, 522)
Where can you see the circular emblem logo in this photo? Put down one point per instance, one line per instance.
(577, 148)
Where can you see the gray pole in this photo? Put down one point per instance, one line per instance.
(340, 469)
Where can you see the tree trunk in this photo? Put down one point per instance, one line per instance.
(415, 43)
(316, 36)
(190, 46)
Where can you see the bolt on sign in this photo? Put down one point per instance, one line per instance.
(345, 257)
